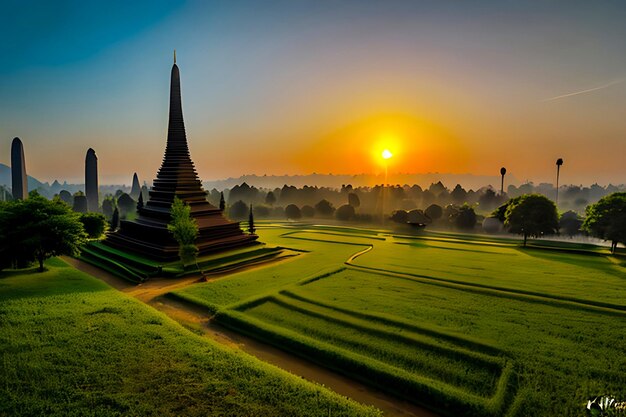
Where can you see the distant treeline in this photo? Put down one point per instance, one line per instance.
(368, 200)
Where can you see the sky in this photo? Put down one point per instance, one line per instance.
(296, 87)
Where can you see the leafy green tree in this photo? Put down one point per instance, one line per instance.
(80, 203)
(184, 228)
(434, 211)
(570, 223)
(465, 218)
(115, 219)
(140, 202)
(251, 227)
(108, 205)
(238, 211)
(270, 198)
(37, 229)
(307, 211)
(324, 208)
(400, 216)
(126, 205)
(345, 213)
(354, 200)
(532, 215)
(606, 219)
(222, 201)
(293, 212)
(95, 224)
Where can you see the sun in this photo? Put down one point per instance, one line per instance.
(387, 154)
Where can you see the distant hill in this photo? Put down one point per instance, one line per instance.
(468, 181)
(5, 179)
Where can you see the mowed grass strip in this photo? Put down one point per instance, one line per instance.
(413, 353)
(558, 274)
(435, 394)
(562, 356)
(235, 288)
(71, 345)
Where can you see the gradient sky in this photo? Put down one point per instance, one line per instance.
(294, 87)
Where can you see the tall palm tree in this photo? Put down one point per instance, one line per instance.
(502, 173)
(559, 162)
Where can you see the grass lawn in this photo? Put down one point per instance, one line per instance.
(464, 325)
(70, 345)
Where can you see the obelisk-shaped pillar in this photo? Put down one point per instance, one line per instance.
(19, 180)
(91, 180)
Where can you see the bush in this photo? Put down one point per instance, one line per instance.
(95, 224)
(345, 213)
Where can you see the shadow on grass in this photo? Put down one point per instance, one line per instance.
(590, 260)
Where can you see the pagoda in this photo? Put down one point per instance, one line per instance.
(148, 235)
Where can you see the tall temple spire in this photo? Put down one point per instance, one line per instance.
(177, 178)
(174, 56)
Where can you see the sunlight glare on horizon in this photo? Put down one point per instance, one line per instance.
(387, 154)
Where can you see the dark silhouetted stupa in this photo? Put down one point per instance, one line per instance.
(91, 180)
(135, 190)
(19, 180)
(177, 177)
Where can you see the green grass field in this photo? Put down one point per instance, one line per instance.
(466, 325)
(71, 345)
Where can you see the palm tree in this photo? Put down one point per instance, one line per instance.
(502, 173)
(559, 162)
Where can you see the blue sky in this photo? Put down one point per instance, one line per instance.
(269, 87)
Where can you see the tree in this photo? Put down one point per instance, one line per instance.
(108, 205)
(292, 212)
(251, 227)
(238, 211)
(345, 213)
(354, 200)
(95, 224)
(184, 228)
(270, 198)
(37, 229)
(115, 219)
(458, 195)
(261, 211)
(66, 197)
(80, 203)
(222, 201)
(434, 211)
(465, 218)
(570, 223)
(606, 219)
(140, 202)
(400, 216)
(532, 215)
(502, 174)
(307, 211)
(126, 204)
(324, 208)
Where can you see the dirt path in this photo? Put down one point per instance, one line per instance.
(195, 318)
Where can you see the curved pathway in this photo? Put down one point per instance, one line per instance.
(196, 319)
